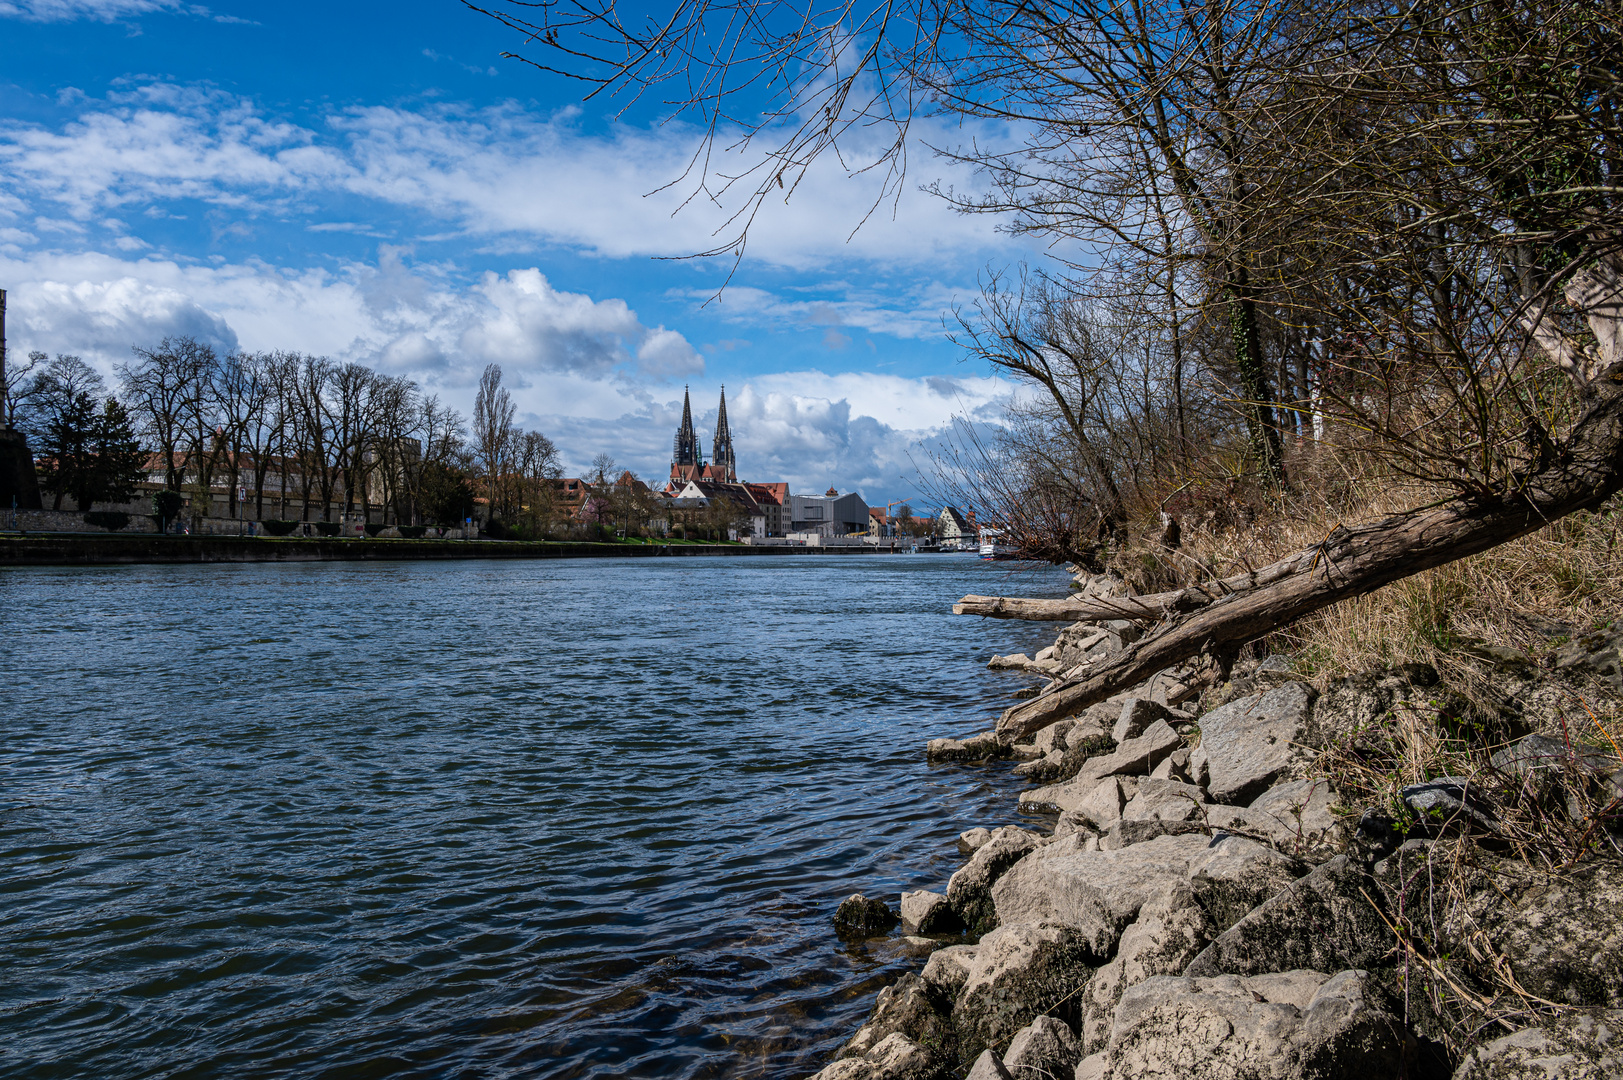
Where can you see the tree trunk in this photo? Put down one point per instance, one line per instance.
(1076, 609)
(1352, 562)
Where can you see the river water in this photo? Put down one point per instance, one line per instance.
(539, 819)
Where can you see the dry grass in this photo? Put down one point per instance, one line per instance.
(1530, 595)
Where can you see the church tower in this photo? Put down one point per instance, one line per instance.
(687, 458)
(723, 466)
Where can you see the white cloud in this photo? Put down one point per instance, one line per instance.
(98, 10)
(401, 319)
(489, 172)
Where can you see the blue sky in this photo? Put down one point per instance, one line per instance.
(374, 182)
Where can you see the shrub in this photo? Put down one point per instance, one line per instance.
(111, 520)
(276, 527)
(678, 533)
(413, 532)
(166, 507)
(326, 528)
(375, 527)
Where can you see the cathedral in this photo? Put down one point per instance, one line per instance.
(687, 455)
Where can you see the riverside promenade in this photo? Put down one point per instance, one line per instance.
(93, 550)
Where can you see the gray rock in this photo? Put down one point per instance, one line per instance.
(1564, 940)
(1447, 801)
(972, 840)
(988, 1067)
(969, 891)
(948, 969)
(1137, 714)
(1014, 661)
(1126, 833)
(859, 916)
(1021, 971)
(1043, 1049)
(1321, 922)
(1135, 757)
(926, 912)
(1598, 655)
(896, 1057)
(1291, 1026)
(1052, 737)
(1165, 800)
(1094, 1066)
(1100, 893)
(911, 1007)
(1584, 1047)
(1252, 743)
(1175, 767)
(1359, 701)
(975, 748)
(1542, 753)
(1299, 816)
(1170, 930)
(1024, 752)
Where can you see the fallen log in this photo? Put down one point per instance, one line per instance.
(1354, 561)
(1082, 609)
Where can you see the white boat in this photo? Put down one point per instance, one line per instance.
(993, 546)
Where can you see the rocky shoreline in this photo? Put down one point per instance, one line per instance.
(1226, 893)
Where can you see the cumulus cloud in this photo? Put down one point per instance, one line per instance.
(389, 315)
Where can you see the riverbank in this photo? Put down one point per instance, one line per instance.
(117, 549)
(1256, 871)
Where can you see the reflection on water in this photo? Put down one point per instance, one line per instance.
(560, 819)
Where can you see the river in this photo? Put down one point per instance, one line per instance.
(520, 819)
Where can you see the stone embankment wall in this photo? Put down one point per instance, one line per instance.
(1195, 900)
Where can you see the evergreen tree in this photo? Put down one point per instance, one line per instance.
(118, 464)
(68, 448)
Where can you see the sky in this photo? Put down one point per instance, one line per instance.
(376, 183)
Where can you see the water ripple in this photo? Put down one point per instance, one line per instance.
(582, 819)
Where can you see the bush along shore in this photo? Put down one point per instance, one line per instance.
(1249, 875)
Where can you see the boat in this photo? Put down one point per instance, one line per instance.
(994, 547)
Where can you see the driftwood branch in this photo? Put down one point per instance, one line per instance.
(1351, 562)
(1079, 609)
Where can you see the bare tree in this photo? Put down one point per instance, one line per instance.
(493, 412)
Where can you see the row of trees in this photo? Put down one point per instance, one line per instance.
(282, 434)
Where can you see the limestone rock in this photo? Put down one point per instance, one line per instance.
(969, 891)
(1052, 737)
(1290, 1026)
(926, 912)
(1135, 757)
(1165, 800)
(1541, 753)
(1565, 940)
(975, 748)
(1322, 922)
(1042, 1049)
(1048, 767)
(1015, 661)
(1137, 714)
(1020, 971)
(1598, 655)
(948, 969)
(1359, 701)
(1252, 743)
(1171, 929)
(988, 1067)
(1100, 893)
(972, 840)
(911, 1007)
(1298, 815)
(896, 1057)
(859, 916)
(1585, 1047)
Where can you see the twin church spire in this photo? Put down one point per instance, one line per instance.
(687, 455)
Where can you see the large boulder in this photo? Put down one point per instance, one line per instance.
(913, 1007)
(1564, 938)
(1020, 971)
(1254, 742)
(1043, 1049)
(1583, 1047)
(1100, 893)
(896, 1057)
(969, 891)
(1171, 929)
(1298, 1025)
(1323, 922)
